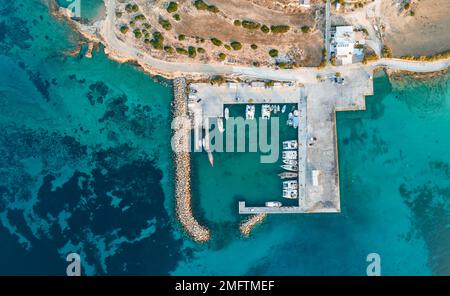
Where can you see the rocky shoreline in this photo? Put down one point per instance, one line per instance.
(183, 169)
(247, 226)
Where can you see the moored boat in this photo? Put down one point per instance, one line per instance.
(273, 204)
(227, 113)
(291, 194)
(287, 175)
(265, 111)
(250, 112)
(288, 167)
(290, 161)
(289, 154)
(288, 145)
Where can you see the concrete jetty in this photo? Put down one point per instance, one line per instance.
(183, 168)
(317, 102)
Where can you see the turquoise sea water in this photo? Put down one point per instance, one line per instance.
(85, 167)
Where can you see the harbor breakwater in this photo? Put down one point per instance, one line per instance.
(183, 168)
(247, 226)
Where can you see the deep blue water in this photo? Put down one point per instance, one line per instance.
(85, 167)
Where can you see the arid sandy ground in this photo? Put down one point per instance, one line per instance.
(304, 49)
(425, 33)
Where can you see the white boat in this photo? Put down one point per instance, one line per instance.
(288, 167)
(283, 109)
(291, 194)
(211, 158)
(273, 204)
(290, 120)
(265, 111)
(278, 108)
(290, 154)
(250, 112)
(220, 125)
(227, 113)
(288, 185)
(287, 175)
(288, 145)
(290, 161)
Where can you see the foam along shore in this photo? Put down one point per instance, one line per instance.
(247, 226)
(183, 170)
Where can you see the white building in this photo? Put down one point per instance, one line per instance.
(304, 3)
(344, 44)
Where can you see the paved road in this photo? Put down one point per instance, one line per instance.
(328, 29)
(303, 75)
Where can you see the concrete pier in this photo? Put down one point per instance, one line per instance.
(318, 102)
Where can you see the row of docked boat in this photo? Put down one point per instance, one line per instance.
(290, 160)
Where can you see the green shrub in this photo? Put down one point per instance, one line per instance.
(369, 57)
(176, 17)
(118, 14)
(254, 46)
(172, 7)
(269, 83)
(236, 45)
(412, 13)
(265, 29)
(131, 8)
(216, 41)
(213, 9)
(201, 50)
(182, 51)
(146, 25)
(250, 25)
(124, 29)
(181, 37)
(407, 6)
(200, 5)
(132, 24)
(305, 29)
(273, 53)
(147, 41)
(157, 41)
(169, 49)
(279, 29)
(140, 17)
(237, 23)
(192, 52)
(222, 56)
(386, 52)
(217, 80)
(137, 33)
(165, 24)
(227, 47)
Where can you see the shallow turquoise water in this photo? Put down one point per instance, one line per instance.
(85, 167)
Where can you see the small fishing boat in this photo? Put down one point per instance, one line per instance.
(289, 145)
(227, 113)
(288, 167)
(291, 194)
(290, 154)
(290, 120)
(265, 111)
(250, 112)
(273, 204)
(290, 185)
(220, 125)
(211, 158)
(287, 175)
(283, 109)
(278, 108)
(290, 161)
